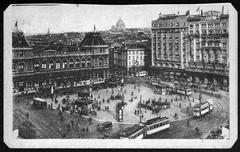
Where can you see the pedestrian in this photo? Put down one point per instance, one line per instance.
(187, 108)
(171, 100)
(72, 123)
(68, 127)
(63, 135)
(27, 115)
(87, 129)
(179, 105)
(76, 125)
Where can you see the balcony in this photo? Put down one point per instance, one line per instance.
(47, 71)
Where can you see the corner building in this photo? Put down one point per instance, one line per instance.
(193, 46)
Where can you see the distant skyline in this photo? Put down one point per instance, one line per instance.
(33, 19)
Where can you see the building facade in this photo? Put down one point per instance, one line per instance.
(34, 69)
(193, 46)
(169, 46)
(209, 54)
(128, 59)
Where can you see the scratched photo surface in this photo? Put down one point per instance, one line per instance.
(121, 75)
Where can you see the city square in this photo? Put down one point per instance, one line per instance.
(168, 80)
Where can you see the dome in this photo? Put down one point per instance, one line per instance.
(120, 25)
(120, 22)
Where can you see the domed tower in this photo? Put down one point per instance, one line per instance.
(120, 26)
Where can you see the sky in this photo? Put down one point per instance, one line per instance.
(34, 19)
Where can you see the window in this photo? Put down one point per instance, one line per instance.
(106, 61)
(88, 62)
(217, 25)
(51, 65)
(197, 26)
(21, 67)
(77, 63)
(58, 64)
(141, 57)
(177, 24)
(191, 26)
(36, 66)
(44, 65)
(71, 64)
(100, 62)
(83, 62)
(13, 67)
(64, 64)
(224, 45)
(210, 25)
(20, 53)
(129, 57)
(203, 25)
(29, 68)
(224, 24)
(171, 24)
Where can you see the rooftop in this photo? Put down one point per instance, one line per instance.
(154, 120)
(19, 40)
(92, 38)
(130, 130)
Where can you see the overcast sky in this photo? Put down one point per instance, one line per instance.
(81, 18)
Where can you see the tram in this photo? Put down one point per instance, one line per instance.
(135, 132)
(187, 91)
(202, 108)
(151, 126)
(156, 124)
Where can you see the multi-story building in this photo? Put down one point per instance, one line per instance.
(128, 59)
(34, 69)
(209, 50)
(169, 45)
(194, 45)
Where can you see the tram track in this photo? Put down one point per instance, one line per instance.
(21, 116)
(45, 130)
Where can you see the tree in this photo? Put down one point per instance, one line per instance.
(26, 130)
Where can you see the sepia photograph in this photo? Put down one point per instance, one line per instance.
(120, 76)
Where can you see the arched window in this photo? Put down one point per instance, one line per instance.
(100, 62)
(21, 67)
(36, 66)
(51, 65)
(64, 64)
(71, 63)
(83, 63)
(77, 63)
(58, 64)
(88, 62)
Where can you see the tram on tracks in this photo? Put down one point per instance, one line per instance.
(202, 108)
(151, 126)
